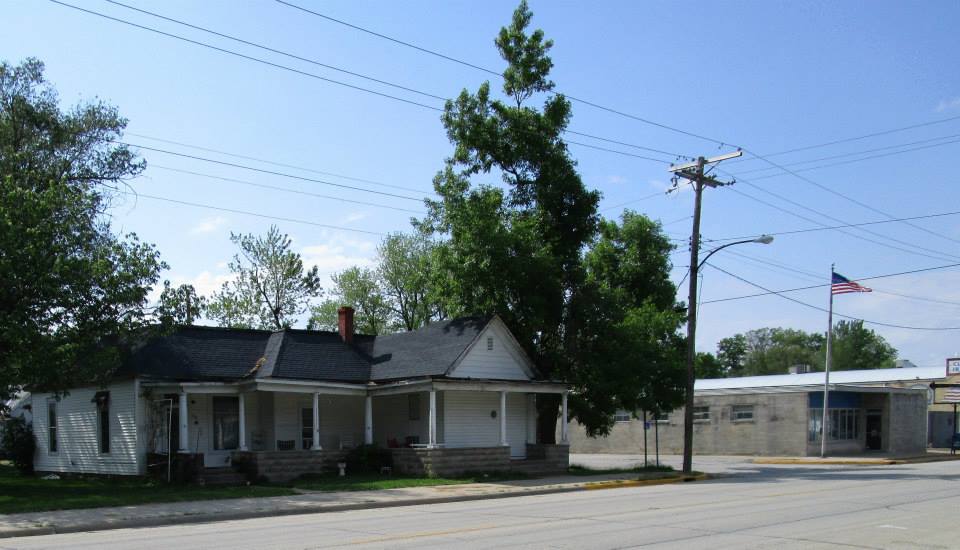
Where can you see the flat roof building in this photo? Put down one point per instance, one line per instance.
(879, 410)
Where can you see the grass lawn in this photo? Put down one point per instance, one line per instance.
(375, 482)
(32, 494)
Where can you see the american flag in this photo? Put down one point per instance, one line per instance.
(842, 285)
(952, 395)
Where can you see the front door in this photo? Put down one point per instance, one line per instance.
(225, 431)
(874, 425)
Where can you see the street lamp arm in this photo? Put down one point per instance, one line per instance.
(719, 248)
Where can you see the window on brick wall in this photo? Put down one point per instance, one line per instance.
(741, 413)
(622, 416)
(701, 414)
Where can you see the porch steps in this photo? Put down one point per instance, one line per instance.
(222, 476)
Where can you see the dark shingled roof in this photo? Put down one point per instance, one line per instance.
(429, 351)
(197, 353)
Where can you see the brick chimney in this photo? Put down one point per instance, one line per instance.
(345, 323)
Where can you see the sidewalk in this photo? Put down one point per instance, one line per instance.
(150, 515)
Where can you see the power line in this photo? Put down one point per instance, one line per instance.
(249, 57)
(281, 164)
(248, 213)
(852, 161)
(805, 304)
(285, 189)
(825, 226)
(797, 289)
(847, 198)
(625, 144)
(280, 52)
(495, 73)
(863, 152)
(332, 67)
(646, 197)
(856, 138)
(832, 227)
(271, 172)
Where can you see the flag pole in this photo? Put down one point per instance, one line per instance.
(826, 378)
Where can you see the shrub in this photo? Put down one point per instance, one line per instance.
(18, 444)
(368, 459)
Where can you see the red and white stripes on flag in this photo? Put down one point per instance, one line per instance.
(951, 395)
(842, 285)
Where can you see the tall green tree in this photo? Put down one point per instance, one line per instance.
(708, 366)
(180, 305)
(732, 354)
(629, 354)
(270, 287)
(72, 292)
(360, 289)
(515, 250)
(405, 273)
(856, 347)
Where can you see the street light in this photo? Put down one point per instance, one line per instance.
(692, 348)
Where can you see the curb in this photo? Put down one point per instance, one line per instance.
(315, 509)
(830, 461)
(618, 483)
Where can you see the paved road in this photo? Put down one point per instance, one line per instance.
(905, 506)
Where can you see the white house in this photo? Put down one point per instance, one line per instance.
(453, 396)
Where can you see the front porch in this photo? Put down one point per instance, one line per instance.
(286, 429)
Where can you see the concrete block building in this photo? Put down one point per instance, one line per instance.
(871, 411)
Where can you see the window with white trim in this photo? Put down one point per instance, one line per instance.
(741, 413)
(102, 401)
(661, 417)
(701, 414)
(52, 427)
(622, 416)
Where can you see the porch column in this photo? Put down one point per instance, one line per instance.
(432, 416)
(368, 421)
(503, 418)
(531, 419)
(316, 423)
(563, 419)
(243, 422)
(184, 424)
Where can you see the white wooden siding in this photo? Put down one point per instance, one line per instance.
(504, 362)
(77, 434)
(517, 424)
(467, 419)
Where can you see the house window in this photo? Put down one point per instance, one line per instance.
(622, 416)
(102, 400)
(701, 414)
(226, 423)
(306, 428)
(844, 424)
(742, 413)
(489, 343)
(413, 406)
(51, 426)
(661, 417)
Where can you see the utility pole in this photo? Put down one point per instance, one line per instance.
(694, 173)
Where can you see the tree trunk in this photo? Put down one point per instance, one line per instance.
(548, 411)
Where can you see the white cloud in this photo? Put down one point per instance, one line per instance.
(948, 104)
(208, 225)
(332, 257)
(616, 180)
(354, 217)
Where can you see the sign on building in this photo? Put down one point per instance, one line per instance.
(953, 366)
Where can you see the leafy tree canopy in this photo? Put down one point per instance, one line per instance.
(71, 288)
(180, 305)
(270, 287)
(358, 288)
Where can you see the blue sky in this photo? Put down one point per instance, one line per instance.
(768, 76)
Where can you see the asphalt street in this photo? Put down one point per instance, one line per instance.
(751, 506)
